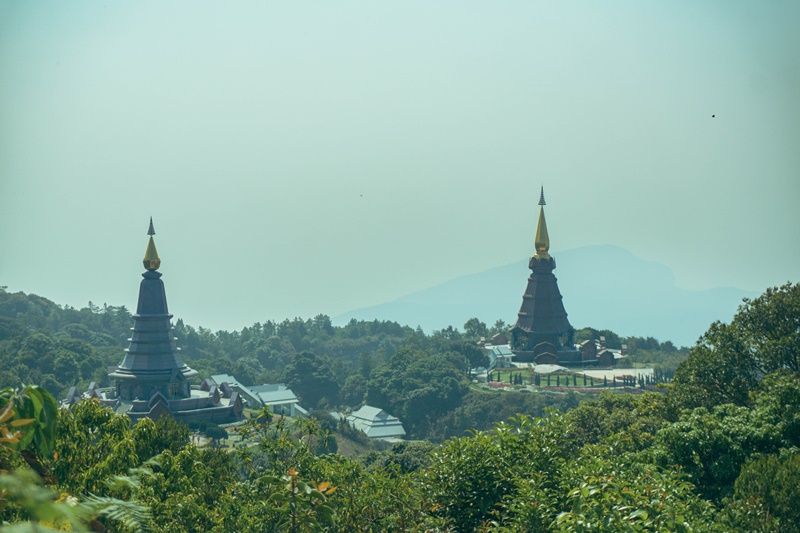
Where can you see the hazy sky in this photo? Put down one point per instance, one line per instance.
(315, 157)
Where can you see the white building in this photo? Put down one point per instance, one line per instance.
(376, 423)
(277, 396)
(280, 399)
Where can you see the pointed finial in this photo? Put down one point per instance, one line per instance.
(151, 260)
(542, 242)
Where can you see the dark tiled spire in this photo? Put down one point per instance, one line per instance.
(152, 361)
(542, 310)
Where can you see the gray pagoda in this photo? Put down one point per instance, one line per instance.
(542, 333)
(152, 362)
(152, 379)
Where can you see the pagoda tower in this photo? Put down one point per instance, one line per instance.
(542, 333)
(152, 363)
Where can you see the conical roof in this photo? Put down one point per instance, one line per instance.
(542, 310)
(152, 354)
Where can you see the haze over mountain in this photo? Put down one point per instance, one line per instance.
(604, 287)
(303, 158)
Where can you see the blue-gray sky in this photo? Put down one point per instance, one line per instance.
(315, 157)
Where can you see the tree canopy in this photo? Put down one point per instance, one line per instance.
(715, 451)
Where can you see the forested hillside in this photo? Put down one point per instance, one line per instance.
(421, 378)
(715, 451)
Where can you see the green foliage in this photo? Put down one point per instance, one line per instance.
(296, 506)
(665, 362)
(614, 463)
(481, 410)
(664, 357)
(719, 370)
(27, 424)
(58, 347)
(472, 481)
(30, 415)
(473, 355)
(627, 422)
(614, 494)
(375, 501)
(771, 328)
(272, 495)
(188, 491)
(711, 446)
(777, 400)
(311, 378)
(347, 430)
(407, 456)
(131, 515)
(353, 391)
(216, 433)
(612, 339)
(282, 445)
(467, 480)
(152, 438)
(728, 360)
(766, 495)
(418, 386)
(93, 443)
(474, 329)
(34, 507)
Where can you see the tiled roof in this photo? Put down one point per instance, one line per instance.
(219, 379)
(277, 397)
(502, 351)
(376, 423)
(542, 309)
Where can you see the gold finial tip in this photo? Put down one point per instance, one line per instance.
(542, 242)
(151, 260)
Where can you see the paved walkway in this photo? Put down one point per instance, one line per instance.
(609, 374)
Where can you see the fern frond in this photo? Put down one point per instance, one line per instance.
(132, 515)
(119, 482)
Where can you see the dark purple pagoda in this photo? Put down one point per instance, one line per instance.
(152, 363)
(543, 334)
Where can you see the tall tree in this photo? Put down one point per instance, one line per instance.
(474, 329)
(729, 359)
(312, 378)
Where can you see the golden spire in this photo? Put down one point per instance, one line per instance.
(542, 239)
(151, 259)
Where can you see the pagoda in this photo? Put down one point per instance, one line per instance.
(542, 333)
(152, 362)
(152, 379)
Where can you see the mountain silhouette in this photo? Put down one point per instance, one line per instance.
(604, 287)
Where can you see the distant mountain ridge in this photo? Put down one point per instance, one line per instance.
(604, 287)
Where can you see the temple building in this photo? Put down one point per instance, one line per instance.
(152, 362)
(377, 423)
(152, 379)
(542, 333)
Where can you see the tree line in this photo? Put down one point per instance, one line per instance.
(397, 368)
(715, 451)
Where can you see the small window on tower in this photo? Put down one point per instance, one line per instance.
(174, 389)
